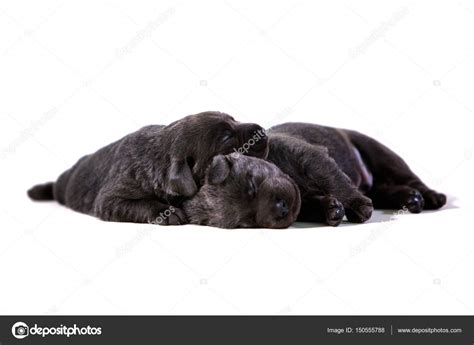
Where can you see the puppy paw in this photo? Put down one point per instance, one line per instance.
(334, 212)
(413, 201)
(434, 200)
(359, 210)
(172, 216)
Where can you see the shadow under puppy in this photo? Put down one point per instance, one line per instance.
(244, 192)
(137, 177)
(343, 172)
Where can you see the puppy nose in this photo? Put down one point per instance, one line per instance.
(282, 208)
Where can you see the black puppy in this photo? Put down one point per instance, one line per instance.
(139, 176)
(345, 172)
(244, 192)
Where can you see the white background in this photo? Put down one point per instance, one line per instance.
(76, 75)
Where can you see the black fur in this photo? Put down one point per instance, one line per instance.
(244, 192)
(42, 192)
(140, 176)
(345, 172)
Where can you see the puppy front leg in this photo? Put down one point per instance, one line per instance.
(322, 209)
(326, 176)
(120, 203)
(318, 175)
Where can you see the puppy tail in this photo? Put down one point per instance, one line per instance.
(41, 192)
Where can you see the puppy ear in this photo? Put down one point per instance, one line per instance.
(297, 204)
(218, 170)
(180, 179)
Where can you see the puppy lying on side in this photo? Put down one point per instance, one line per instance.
(244, 192)
(345, 172)
(136, 178)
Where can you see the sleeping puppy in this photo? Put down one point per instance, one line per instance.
(244, 192)
(137, 177)
(345, 172)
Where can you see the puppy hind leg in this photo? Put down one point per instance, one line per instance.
(123, 202)
(397, 197)
(140, 211)
(391, 173)
(433, 199)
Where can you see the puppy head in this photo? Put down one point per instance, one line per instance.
(244, 192)
(196, 139)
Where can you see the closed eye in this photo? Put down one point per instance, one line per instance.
(252, 187)
(228, 135)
